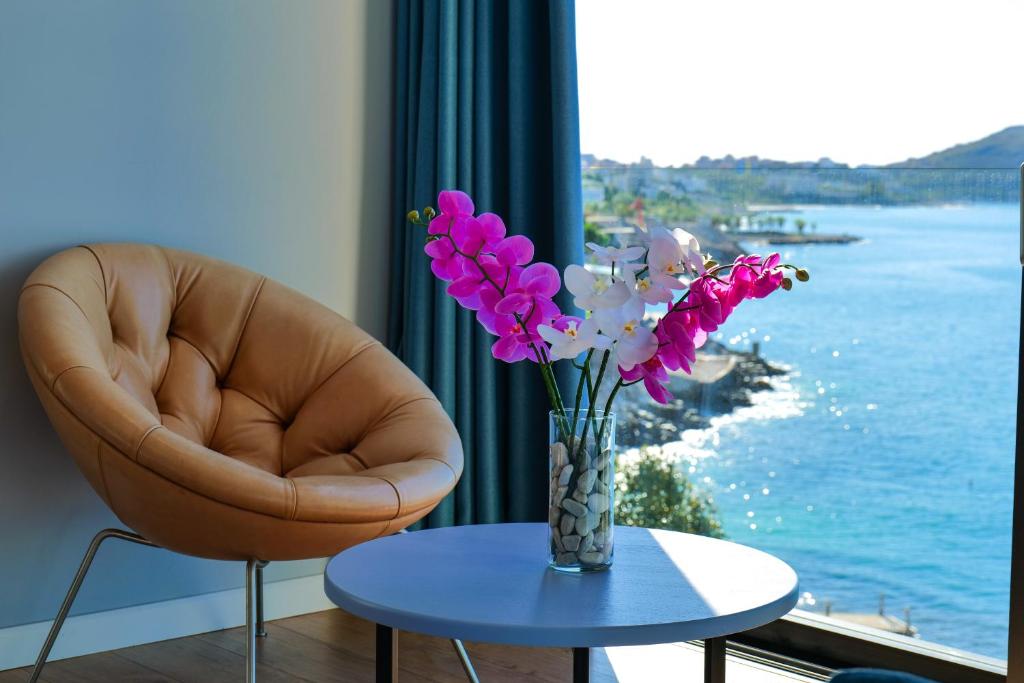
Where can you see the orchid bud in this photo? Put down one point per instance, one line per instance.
(802, 275)
(413, 216)
(787, 284)
(429, 212)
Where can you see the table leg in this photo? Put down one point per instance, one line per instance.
(581, 665)
(714, 660)
(387, 654)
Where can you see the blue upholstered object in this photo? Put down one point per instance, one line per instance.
(876, 676)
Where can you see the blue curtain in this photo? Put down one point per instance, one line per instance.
(485, 102)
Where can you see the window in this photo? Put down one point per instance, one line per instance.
(861, 427)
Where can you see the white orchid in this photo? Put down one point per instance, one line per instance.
(610, 255)
(595, 292)
(651, 292)
(665, 260)
(634, 343)
(671, 255)
(572, 337)
(693, 260)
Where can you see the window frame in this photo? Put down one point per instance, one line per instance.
(1015, 651)
(817, 642)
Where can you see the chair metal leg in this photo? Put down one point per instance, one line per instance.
(467, 664)
(250, 621)
(76, 583)
(261, 631)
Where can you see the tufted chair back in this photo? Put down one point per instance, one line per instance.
(193, 393)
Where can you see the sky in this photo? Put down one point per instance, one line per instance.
(862, 82)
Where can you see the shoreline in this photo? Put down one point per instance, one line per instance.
(643, 422)
(774, 237)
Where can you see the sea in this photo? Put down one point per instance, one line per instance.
(882, 464)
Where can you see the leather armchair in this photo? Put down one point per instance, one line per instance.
(221, 414)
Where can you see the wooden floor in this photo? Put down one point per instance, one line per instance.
(334, 646)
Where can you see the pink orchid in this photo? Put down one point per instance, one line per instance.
(653, 373)
(759, 278)
(514, 342)
(713, 300)
(493, 273)
(456, 207)
(679, 336)
(492, 229)
(455, 203)
(482, 283)
(445, 263)
(716, 298)
(516, 250)
(537, 284)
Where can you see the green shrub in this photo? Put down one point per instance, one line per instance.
(650, 492)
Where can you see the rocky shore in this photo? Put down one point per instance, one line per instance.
(642, 422)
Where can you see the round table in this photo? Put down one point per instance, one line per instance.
(491, 583)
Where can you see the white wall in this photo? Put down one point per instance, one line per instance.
(253, 130)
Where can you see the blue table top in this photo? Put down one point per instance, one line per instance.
(491, 583)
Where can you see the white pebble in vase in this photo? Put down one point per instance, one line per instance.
(559, 454)
(586, 481)
(584, 523)
(574, 508)
(571, 542)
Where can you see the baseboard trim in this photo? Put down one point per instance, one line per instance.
(88, 633)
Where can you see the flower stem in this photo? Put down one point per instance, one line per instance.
(608, 410)
(584, 375)
(581, 451)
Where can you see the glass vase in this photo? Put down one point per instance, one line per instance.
(581, 499)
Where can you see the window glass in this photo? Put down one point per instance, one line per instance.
(861, 426)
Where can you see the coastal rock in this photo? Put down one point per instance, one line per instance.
(574, 508)
(571, 542)
(559, 455)
(563, 476)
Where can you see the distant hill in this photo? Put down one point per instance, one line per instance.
(1004, 150)
(980, 171)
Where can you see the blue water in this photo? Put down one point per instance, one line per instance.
(887, 466)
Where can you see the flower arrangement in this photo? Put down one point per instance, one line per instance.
(494, 274)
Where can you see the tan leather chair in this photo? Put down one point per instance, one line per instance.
(222, 415)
